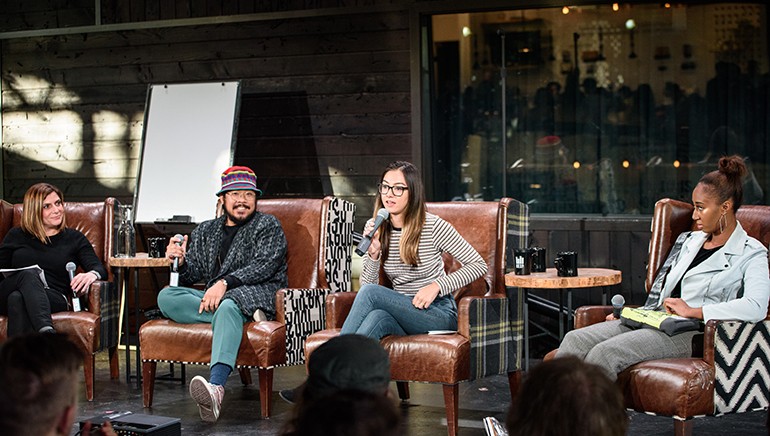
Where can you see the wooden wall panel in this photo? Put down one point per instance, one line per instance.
(329, 100)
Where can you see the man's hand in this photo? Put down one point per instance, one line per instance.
(104, 430)
(425, 296)
(212, 297)
(175, 251)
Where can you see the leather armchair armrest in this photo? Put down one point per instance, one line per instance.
(338, 307)
(463, 317)
(708, 340)
(94, 297)
(589, 315)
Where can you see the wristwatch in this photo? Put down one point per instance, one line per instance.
(225, 282)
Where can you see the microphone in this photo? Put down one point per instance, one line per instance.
(617, 305)
(382, 215)
(71, 271)
(179, 238)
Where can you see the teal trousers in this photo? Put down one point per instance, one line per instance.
(181, 305)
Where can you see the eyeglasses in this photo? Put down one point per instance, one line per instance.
(396, 190)
(242, 195)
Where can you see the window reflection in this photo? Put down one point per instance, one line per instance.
(605, 111)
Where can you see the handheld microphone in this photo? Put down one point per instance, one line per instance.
(179, 238)
(382, 215)
(71, 271)
(617, 305)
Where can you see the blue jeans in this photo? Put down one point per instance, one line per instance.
(379, 311)
(182, 304)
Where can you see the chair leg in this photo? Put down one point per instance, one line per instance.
(114, 362)
(148, 381)
(88, 372)
(403, 390)
(265, 391)
(245, 376)
(683, 428)
(514, 381)
(451, 404)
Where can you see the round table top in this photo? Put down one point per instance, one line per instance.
(141, 260)
(586, 278)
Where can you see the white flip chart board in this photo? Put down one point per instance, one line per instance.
(188, 140)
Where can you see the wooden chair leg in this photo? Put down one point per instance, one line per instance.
(265, 391)
(683, 428)
(514, 381)
(88, 372)
(148, 382)
(114, 362)
(245, 376)
(451, 404)
(403, 390)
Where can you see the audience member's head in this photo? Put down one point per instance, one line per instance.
(347, 362)
(349, 413)
(39, 379)
(567, 396)
(354, 364)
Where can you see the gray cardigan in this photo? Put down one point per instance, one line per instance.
(257, 257)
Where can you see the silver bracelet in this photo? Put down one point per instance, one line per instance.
(96, 273)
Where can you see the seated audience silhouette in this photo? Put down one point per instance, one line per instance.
(347, 391)
(567, 396)
(39, 379)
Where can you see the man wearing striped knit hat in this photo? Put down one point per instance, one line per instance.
(241, 258)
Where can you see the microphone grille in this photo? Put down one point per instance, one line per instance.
(70, 266)
(383, 213)
(618, 300)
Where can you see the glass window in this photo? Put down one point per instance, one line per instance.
(596, 109)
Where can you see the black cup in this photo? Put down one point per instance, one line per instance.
(156, 247)
(522, 262)
(566, 264)
(538, 259)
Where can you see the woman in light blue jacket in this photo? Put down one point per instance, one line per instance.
(715, 272)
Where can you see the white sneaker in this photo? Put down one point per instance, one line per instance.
(259, 315)
(208, 396)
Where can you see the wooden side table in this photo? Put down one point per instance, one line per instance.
(586, 278)
(123, 267)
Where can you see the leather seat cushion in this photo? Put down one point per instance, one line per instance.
(427, 358)
(263, 343)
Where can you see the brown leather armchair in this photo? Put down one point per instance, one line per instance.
(697, 386)
(95, 328)
(492, 228)
(319, 237)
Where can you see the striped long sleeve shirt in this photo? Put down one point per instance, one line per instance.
(437, 237)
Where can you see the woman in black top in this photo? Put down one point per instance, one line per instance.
(44, 240)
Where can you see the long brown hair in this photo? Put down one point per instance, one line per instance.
(414, 214)
(32, 214)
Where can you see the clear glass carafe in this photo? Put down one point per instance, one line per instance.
(126, 239)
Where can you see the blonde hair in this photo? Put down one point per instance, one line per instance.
(32, 213)
(414, 214)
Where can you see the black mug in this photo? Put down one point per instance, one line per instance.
(566, 264)
(522, 262)
(538, 259)
(156, 247)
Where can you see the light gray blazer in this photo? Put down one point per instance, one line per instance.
(734, 283)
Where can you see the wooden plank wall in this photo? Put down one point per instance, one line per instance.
(326, 102)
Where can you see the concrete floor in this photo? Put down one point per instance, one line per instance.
(422, 415)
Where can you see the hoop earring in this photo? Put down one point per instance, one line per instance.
(721, 226)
